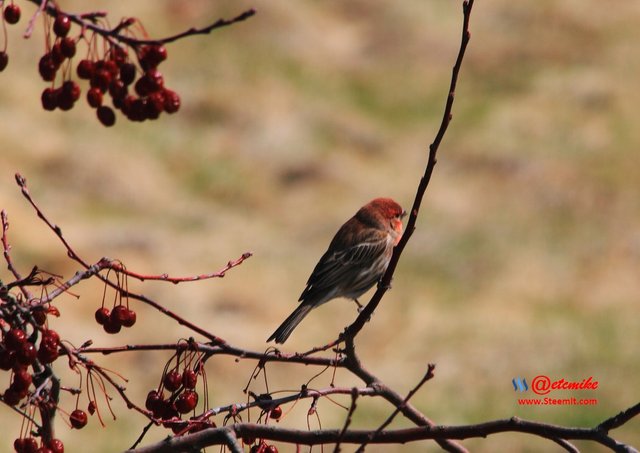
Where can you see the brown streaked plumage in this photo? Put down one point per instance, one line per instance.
(356, 259)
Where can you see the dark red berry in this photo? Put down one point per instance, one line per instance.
(109, 326)
(189, 379)
(118, 54)
(276, 413)
(101, 79)
(11, 396)
(172, 380)
(155, 80)
(151, 56)
(47, 355)
(27, 353)
(137, 110)
(4, 60)
(130, 319)
(61, 25)
(7, 359)
(171, 101)
(65, 99)
(14, 339)
(39, 316)
(47, 67)
(28, 444)
(271, 449)
(107, 117)
(18, 445)
(154, 403)
(85, 69)
(102, 314)
(72, 89)
(56, 446)
(78, 419)
(50, 336)
(21, 380)
(56, 54)
(127, 73)
(68, 47)
(119, 313)
(12, 14)
(117, 89)
(187, 401)
(143, 86)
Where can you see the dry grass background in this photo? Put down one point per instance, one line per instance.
(527, 254)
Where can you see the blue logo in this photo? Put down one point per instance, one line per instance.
(519, 384)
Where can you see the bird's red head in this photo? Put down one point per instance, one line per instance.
(385, 213)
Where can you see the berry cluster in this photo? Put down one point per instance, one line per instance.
(27, 346)
(180, 383)
(114, 74)
(107, 67)
(112, 321)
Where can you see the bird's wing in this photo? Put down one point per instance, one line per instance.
(334, 266)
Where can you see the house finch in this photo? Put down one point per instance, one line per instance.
(356, 259)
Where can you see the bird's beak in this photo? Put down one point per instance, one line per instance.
(403, 215)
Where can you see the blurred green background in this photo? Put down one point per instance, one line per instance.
(526, 256)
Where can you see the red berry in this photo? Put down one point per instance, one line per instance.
(130, 319)
(171, 101)
(155, 80)
(11, 396)
(85, 69)
(56, 446)
(110, 325)
(29, 445)
(118, 55)
(127, 73)
(101, 79)
(152, 55)
(50, 336)
(21, 380)
(154, 402)
(65, 99)
(61, 25)
(187, 401)
(12, 14)
(4, 60)
(49, 99)
(14, 339)
(7, 359)
(68, 47)
(71, 89)
(276, 413)
(78, 419)
(56, 54)
(172, 380)
(189, 379)
(46, 355)
(47, 67)
(142, 86)
(39, 316)
(27, 353)
(18, 445)
(119, 313)
(271, 449)
(107, 117)
(117, 89)
(102, 314)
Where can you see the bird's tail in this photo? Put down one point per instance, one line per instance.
(282, 333)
